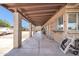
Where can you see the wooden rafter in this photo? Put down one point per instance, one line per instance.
(36, 15)
(32, 5)
(41, 8)
(58, 14)
(41, 11)
(26, 17)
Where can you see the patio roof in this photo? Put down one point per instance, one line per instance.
(37, 13)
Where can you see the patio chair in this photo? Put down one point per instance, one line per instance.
(65, 45)
(70, 44)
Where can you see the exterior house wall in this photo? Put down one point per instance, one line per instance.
(57, 36)
(60, 35)
(48, 29)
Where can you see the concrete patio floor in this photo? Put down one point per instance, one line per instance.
(38, 45)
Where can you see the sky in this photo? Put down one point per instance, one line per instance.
(8, 16)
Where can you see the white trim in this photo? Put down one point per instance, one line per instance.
(58, 23)
(63, 23)
(77, 22)
(68, 19)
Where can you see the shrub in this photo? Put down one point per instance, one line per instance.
(4, 23)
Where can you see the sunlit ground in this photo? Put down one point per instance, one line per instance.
(6, 42)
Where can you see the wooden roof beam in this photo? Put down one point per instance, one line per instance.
(26, 17)
(33, 6)
(6, 7)
(58, 14)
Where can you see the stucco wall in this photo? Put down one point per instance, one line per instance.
(59, 36)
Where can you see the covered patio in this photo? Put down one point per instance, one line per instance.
(38, 14)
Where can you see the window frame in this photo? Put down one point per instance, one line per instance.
(77, 17)
(58, 23)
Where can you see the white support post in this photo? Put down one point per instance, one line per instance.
(34, 30)
(48, 29)
(30, 30)
(17, 31)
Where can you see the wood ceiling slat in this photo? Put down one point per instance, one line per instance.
(36, 15)
(41, 8)
(26, 5)
(41, 11)
(40, 17)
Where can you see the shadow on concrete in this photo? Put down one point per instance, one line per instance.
(29, 48)
(38, 45)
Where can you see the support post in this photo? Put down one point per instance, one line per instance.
(48, 29)
(65, 24)
(30, 30)
(17, 31)
(34, 30)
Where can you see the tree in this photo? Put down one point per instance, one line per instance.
(4, 23)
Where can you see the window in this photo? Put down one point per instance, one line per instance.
(60, 23)
(72, 21)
